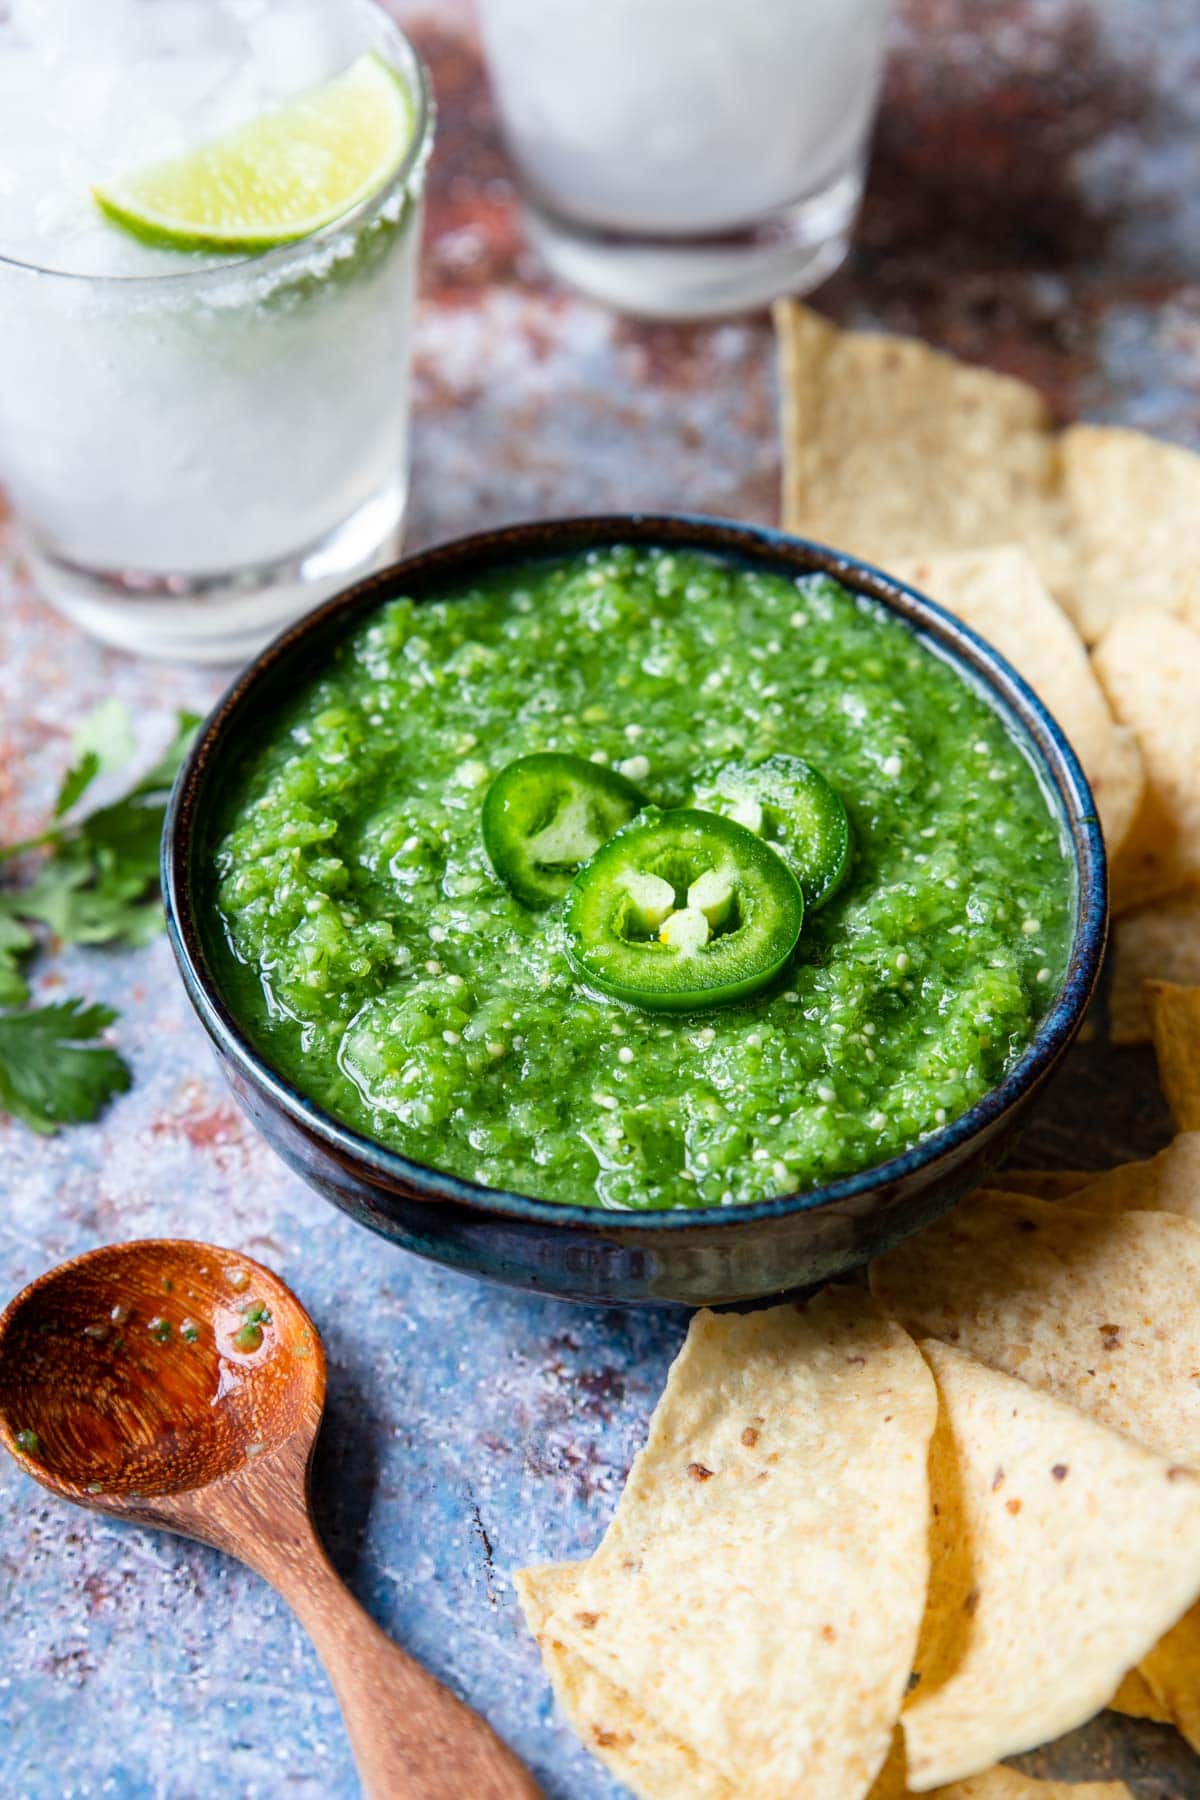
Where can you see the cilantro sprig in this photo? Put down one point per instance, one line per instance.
(52, 1072)
(94, 880)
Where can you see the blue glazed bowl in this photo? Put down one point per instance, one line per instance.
(702, 1257)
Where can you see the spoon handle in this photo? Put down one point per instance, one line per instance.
(412, 1739)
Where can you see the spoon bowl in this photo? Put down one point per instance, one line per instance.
(181, 1385)
(154, 1368)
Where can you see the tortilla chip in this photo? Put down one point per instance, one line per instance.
(1147, 863)
(1149, 666)
(1175, 1027)
(746, 1524)
(654, 1765)
(891, 1782)
(893, 449)
(994, 1784)
(1119, 786)
(1000, 594)
(1156, 943)
(1136, 1698)
(1043, 1184)
(1010, 1784)
(1172, 1674)
(1134, 504)
(1098, 1309)
(1168, 1182)
(1031, 1498)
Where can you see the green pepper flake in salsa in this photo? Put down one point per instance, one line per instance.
(380, 963)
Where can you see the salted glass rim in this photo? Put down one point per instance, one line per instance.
(254, 260)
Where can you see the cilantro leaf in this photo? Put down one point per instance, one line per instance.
(122, 843)
(161, 778)
(15, 942)
(103, 743)
(85, 904)
(52, 1072)
(78, 777)
(108, 731)
(99, 882)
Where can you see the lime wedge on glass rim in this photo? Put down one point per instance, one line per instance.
(277, 178)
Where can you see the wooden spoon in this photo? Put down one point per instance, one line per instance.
(181, 1385)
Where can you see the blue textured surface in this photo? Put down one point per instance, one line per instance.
(468, 1431)
(1033, 204)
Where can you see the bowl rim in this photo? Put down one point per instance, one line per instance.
(989, 673)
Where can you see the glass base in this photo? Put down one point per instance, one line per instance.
(790, 252)
(230, 615)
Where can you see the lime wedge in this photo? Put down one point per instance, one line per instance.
(277, 178)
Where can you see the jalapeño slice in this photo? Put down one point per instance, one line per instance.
(682, 910)
(545, 814)
(791, 805)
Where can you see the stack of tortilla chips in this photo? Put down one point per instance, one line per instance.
(1076, 553)
(878, 1541)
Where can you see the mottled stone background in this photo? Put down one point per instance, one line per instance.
(1034, 203)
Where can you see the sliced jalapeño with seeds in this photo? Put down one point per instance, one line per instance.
(789, 803)
(545, 815)
(682, 910)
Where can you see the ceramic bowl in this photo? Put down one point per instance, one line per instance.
(707, 1256)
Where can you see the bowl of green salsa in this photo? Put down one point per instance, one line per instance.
(636, 908)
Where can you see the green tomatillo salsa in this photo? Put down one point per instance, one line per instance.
(812, 905)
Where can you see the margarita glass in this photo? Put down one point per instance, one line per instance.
(197, 446)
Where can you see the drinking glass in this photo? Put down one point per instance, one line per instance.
(680, 158)
(197, 454)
